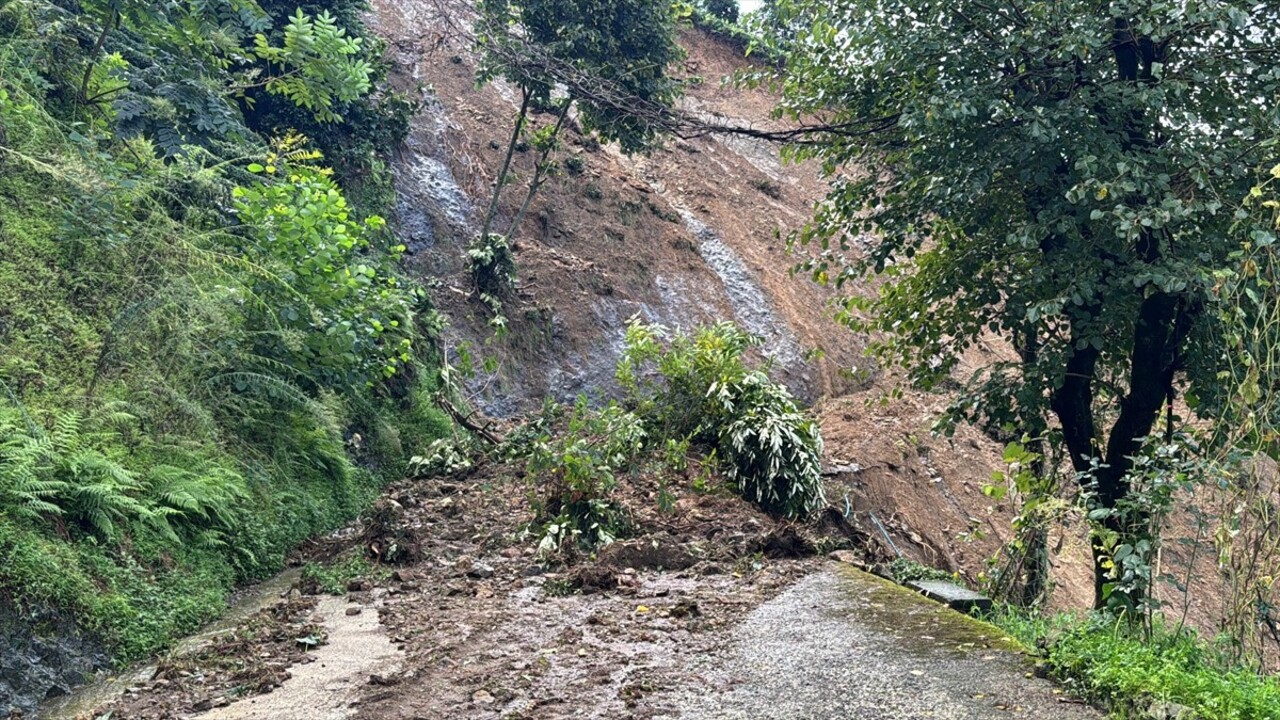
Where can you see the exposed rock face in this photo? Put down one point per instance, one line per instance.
(41, 657)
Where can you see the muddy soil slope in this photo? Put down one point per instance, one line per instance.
(681, 236)
(684, 235)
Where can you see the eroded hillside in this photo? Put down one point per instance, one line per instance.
(682, 236)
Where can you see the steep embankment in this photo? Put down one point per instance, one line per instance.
(682, 236)
(685, 235)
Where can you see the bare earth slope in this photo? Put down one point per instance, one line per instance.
(685, 235)
(682, 236)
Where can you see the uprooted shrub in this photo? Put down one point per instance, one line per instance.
(682, 391)
(443, 457)
(698, 387)
(578, 469)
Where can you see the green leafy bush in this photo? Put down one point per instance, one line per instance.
(726, 10)
(356, 318)
(702, 389)
(492, 265)
(905, 570)
(332, 577)
(188, 374)
(319, 65)
(577, 470)
(442, 457)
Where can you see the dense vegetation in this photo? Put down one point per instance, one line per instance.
(692, 404)
(206, 354)
(1092, 184)
(1062, 176)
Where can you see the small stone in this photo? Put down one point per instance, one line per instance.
(480, 571)
(483, 697)
(354, 611)
(846, 556)
(685, 608)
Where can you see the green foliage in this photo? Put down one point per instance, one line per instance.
(172, 71)
(905, 570)
(578, 470)
(726, 10)
(574, 164)
(442, 457)
(355, 317)
(704, 391)
(317, 65)
(332, 577)
(1248, 427)
(1020, 571)
(1131, 532)
(188, 374)
(625, 46)
(747, 35)
(135, 609)
(71, 473)
(492, 265)
(1061, 177)
(1126, 673)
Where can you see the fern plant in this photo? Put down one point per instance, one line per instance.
(204, 500)
(69, 472)
(25, 491)
(57, 472)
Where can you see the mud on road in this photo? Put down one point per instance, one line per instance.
(474, 626)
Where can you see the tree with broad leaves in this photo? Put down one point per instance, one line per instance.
(1064, 176)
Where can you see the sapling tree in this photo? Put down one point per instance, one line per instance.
(1062, 176)
(625, 46)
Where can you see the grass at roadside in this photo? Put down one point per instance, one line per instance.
(1119, 669)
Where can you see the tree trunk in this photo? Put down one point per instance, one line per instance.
(1157, 333)
(498, 184)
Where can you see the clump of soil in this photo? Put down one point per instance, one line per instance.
(252, 659)
(387, 537)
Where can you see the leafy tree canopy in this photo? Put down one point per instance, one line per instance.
(1062, 175)
(172, 71)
